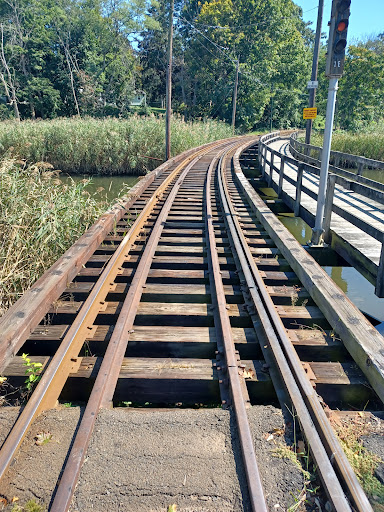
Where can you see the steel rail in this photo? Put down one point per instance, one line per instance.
(327, 434)
(24, 316)
(255, 487)
(53, 379)
(267, 315)
(106, 380)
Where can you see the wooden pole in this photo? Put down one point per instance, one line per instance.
(168, 98)
(235, 97)
(315, 64)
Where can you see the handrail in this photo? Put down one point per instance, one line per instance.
(337, 157)
(333, 178)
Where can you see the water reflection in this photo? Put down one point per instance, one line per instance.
(299, 229)
(374, 174)
(112, 185)
(360, 291)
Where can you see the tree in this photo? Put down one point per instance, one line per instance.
(268, 38)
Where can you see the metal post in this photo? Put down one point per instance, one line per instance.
(235, 97)
(328, 207)
(318, 229)
(315, 64)
(168, 100)
(271, 108)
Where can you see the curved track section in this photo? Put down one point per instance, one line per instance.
(187, 274)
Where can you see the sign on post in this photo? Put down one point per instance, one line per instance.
(310, 113)
(312, 84)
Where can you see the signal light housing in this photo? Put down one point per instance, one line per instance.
(337, 38)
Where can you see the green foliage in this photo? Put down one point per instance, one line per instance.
(274, 60)
(40, 217)
(30, 506)
(32, 371)
(72, 57)
(109, 146)
(368, 142)
(361, 92)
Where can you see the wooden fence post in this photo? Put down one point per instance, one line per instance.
(265, 161)
(281, 176)
(270, 182)
(299, 181)
(360, 167)
(379, 288)
(328, 207)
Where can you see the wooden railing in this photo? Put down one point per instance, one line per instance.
(333, 179)
(343, 164)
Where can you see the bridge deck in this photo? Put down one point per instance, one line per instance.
(357, 247)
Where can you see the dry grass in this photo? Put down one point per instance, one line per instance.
(40, 218)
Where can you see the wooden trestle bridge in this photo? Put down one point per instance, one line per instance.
(194, 269)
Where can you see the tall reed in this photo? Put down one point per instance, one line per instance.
(103, 146)
(40, 217)
(368, 143)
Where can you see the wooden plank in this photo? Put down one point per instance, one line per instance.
(149, 309)
(169, 274)
(361, 339)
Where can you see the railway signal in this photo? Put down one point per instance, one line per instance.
(337, 38)
(337, 43)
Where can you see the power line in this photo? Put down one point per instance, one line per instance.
(219, 27)
(212, 42)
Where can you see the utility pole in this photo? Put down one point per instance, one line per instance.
(168, 98)
(315, 64)
(235, 97)
(271, 114)
(334, 70)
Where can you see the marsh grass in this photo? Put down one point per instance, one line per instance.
(40, 217)
(368, 143)
(103, 146)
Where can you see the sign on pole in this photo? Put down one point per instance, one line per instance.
(310, 113)
(312, 84)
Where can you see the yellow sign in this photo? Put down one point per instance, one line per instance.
(310, 113)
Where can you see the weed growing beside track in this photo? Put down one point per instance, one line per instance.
(40, 218)
(104, 146)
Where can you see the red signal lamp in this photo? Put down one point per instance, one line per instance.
(342, 25)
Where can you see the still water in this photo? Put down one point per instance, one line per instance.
(107, 187)
(360, 291)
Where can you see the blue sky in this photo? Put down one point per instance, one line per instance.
(367, 16)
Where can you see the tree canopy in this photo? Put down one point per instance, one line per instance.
(87, 57)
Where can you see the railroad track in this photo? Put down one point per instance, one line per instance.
(186, 278)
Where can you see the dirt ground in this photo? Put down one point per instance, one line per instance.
(148, 460)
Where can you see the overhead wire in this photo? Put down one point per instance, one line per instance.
(219, 27)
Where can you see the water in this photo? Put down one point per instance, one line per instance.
(113, 186)
(299, 229)
(374, 174)
(360, 291)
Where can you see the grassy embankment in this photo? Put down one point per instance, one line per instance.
(40, 217)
